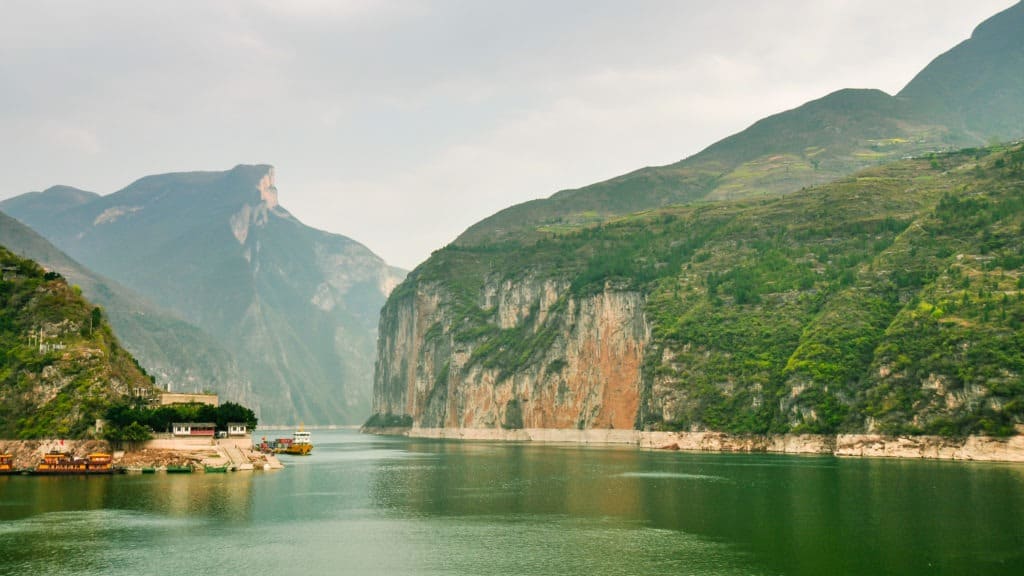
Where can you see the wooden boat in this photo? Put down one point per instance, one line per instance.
(215, 469)
(149, 470)
(179, 469)
(7, 464)
(58, 463)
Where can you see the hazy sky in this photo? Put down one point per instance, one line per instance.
(399, 123)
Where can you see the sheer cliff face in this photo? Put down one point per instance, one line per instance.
(564, 361)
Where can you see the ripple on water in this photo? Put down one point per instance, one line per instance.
(77, 521)
(674, 475)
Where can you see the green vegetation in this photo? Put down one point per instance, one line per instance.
(388, 421)
(167, 346)
(60, 365)
(274, 318)
(890, 301)
(127, 422)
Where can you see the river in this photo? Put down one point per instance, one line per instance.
(374, 505)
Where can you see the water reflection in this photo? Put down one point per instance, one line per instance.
(83, 524)
(800, 515)
(367, 505)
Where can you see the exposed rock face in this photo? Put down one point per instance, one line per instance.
(585, 371)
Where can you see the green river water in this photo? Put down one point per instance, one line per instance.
(372, 505)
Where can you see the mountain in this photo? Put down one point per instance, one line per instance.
(977, 87)
(60, 364)
(179, 355)
(295, 306)
(967, 97)
(892, 301)
(753, 287)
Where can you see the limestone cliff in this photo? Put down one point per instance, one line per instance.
(888, 303)
(581, 357)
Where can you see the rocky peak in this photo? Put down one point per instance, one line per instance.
(268, 191)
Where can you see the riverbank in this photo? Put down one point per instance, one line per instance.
(158, 453)
(972, 448)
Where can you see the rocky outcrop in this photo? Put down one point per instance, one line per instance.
(540, 357)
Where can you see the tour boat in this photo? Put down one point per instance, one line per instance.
(64, 463)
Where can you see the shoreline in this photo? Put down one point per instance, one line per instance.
(157, 453)
(971, 448)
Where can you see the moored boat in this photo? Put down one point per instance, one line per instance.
(215, 469)
(55, 463)
(178, 469)
(300, 444)
(7, 464)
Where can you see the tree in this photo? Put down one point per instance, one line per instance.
(95, 318)
(231, 412)
(136, 433)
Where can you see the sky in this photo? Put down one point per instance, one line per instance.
(401, 123)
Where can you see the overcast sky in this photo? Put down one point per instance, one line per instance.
(399, 123)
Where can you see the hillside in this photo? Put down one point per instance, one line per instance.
(977, 87)
(296, 307)
(60, 365)
(969, 96)
(179, 355)
(889, 302)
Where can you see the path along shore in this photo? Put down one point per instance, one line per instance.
(971, 448)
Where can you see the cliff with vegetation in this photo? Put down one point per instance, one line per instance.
(833, 268)
(294, 307)
(180, 356)
(889, 302)
(60, 365)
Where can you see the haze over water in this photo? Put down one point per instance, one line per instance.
(370, 505)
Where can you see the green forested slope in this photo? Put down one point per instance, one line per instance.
(179, 355)
(890, 301)
(295, 308)
(60, 365)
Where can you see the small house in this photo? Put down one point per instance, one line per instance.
(194, 428)
(237, 429)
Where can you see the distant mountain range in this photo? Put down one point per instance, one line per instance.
(971, 95)
(296, 308)
(774, 282)
(179, 355)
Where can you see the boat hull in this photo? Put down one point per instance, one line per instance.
(298, 449)
(72, 472)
